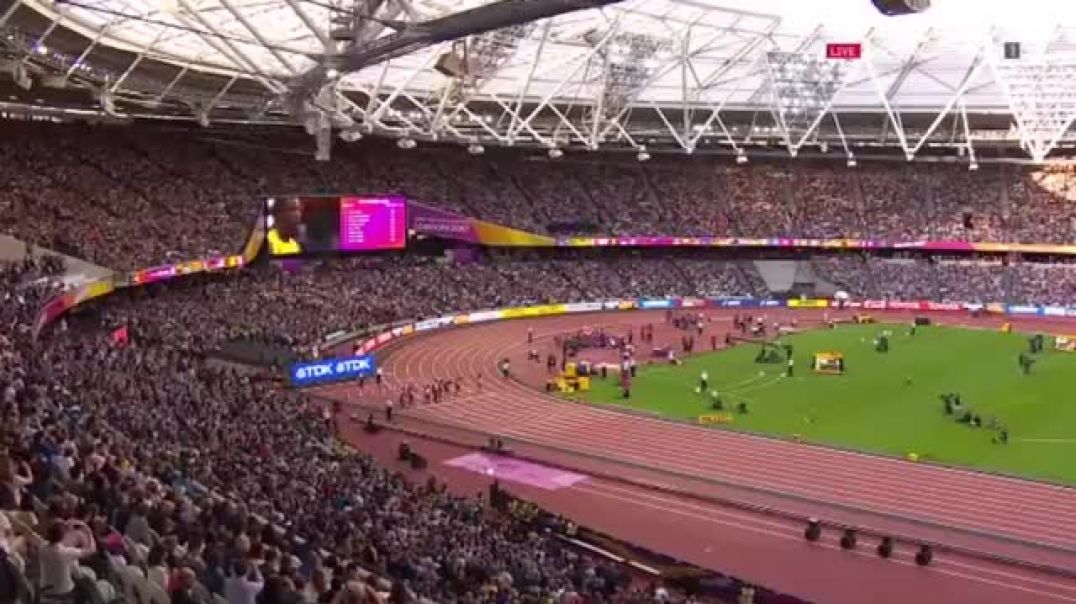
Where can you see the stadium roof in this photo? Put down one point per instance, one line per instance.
(676, 74)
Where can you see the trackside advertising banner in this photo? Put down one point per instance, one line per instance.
(327, 371)
(545, 310)
(922, 305)
(795, 303)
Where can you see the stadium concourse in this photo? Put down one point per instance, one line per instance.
(690, 491)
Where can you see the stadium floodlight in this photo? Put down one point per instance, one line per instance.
(802, 86)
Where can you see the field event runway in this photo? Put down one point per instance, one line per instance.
(673, 461)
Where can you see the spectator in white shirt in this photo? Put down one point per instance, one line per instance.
(243, 583)
(58, 560)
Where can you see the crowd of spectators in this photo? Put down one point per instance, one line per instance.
(948, 279)
(300, 308)
(149, 459)
(131, 197)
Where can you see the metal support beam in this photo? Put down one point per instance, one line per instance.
(227, 48)
(967, 131)
(135, 62)
(953, 100)
(909, 64)
(15, 4)
(89, 48)
(258, 36)
(431, 58)
(56, 20)
(322, 37)
(167, 89)
(208, 109)
(530, 78)
(568, 76)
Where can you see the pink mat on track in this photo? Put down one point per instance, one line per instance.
(515, 470)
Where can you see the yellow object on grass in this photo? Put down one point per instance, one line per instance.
(831, 363)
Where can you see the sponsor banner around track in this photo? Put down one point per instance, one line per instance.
(899, 305)
(583, 307)
(945, 306)
(743, 302)
(1023, 309)
(384, 338)
(437, 323)
(1055, 311)
(331, 370)
(808, 303)
(922, 305)
(484, 315)
(532, 311)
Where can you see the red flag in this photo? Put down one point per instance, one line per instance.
(120, 336)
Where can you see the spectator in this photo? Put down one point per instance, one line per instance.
(66, 544)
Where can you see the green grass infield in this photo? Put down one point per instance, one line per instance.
(887, 403)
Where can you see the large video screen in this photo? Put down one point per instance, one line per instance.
(303, 225)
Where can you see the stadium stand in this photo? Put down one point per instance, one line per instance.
(948, 279)
(151, 193)
(179, 468)
(178, 476)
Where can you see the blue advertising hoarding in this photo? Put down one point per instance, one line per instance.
(313, 373)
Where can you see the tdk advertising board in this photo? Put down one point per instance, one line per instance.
(314, 373)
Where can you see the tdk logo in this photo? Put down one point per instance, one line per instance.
(359, 364)
(314, 371)
(332, 370)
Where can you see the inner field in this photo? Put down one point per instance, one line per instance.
(885, 402)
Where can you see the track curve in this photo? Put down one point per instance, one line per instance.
(1020, 519)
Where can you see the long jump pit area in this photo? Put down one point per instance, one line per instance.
(722, 499)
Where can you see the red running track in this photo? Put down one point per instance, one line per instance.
(950, 506)
(758, 548)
